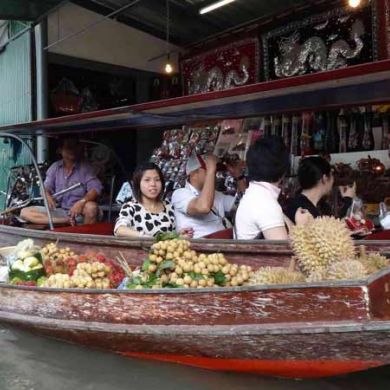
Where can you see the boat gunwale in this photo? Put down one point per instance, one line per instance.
(360, 283)
(233, 245)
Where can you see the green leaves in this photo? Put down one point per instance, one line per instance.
(219, 278)
(195, 276)
(146, 264)
(167, 236)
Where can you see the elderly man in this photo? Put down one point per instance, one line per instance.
(76, 206)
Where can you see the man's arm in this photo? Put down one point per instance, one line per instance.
(49, 185)
(204, 202)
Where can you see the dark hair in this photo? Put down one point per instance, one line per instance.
(70, 144)
(311, 170)
(137, 177)
(344, 175)
(268, 159)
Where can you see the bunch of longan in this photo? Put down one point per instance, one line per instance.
(177, 265)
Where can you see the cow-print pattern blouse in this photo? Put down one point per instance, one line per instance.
(136, 217)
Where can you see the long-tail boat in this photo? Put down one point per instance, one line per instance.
(301, 330)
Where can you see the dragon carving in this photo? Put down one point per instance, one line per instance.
(312, 55)
(214, 79)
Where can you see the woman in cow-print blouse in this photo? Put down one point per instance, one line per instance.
(147, 215)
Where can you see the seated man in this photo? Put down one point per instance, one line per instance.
(198, 205)
(76, 206)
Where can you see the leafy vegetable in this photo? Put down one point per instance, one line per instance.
(27, 276)
(219, 278)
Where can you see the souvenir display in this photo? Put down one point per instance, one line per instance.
(334, 39)
(175, 149)
(225, 67)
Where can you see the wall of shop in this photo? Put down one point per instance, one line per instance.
(15, 99)
(108, 42)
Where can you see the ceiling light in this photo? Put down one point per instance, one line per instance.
(168, 67)
(354, 3)
(214, 6)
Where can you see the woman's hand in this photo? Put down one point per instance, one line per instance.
(302, 217)
(348, 191)
(186, 233)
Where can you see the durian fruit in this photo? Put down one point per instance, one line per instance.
(346, 270)
(275, 275)
(374, 262)
(321, 242)
(321, 273)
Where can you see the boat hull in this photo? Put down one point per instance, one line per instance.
(305, 330)
(290, 351)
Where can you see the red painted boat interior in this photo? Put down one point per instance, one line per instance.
(226, 234)
(281, 368)
(381, 235)
(101, 229)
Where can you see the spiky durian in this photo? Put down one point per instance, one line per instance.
(374, 262)
(321, 242)
(275, 275)
(318, 275)
(346, 270)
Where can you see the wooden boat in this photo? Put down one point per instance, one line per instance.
(303, 330)
(306, 330)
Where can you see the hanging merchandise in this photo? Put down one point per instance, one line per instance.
(266, 125)
(385, 131)
(342, 125)
(286, 130)
(296, 121)
(305, 137)
(319, 131)
(353, 136)
(331, 136)
(368, 136)
(177, 146)
(276, 125)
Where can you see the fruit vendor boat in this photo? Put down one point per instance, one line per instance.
(297, 330)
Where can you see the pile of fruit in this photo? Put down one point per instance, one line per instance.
(52, 266)
(172, 263)
(66, 269)
(86, 275)
(325, 251)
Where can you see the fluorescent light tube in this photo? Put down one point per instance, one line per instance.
(214, 6)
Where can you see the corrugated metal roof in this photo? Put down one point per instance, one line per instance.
(15, 81)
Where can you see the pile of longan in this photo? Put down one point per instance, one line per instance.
(176, 264)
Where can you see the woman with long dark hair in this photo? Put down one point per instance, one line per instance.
(148, 214)
(315, 177)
